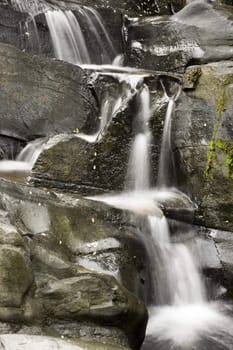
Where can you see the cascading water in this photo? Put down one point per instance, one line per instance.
(67, 37)
(69, 42)
(180, 316)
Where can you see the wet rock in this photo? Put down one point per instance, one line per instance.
(77, 258)
(9, 25)
(30, 342)
(200, 32)
(202, 137)
(15, 271)
(213, 25)
(132, 7)
(88, 166)
(224, 244)
(160, 44)
(49, 96)
(97, 298)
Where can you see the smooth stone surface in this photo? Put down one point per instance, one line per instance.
(49, 96)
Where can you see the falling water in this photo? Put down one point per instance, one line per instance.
(68, 41)
(138, 176)
(166, 166)
(99, 32)
(180, 315)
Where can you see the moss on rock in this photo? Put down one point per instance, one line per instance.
(227, 148)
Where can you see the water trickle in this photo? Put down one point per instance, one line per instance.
(22, 166)
(166, 160)
(166, 171)
(31, 152)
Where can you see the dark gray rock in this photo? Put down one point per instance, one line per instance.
(224, 245)
(200, 32)
(41, 97)
(131, 7)
(202, 137)
(213, 25)
(160, 44)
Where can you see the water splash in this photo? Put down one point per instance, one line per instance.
(184, 325)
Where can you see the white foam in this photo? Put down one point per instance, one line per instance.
(183, 325)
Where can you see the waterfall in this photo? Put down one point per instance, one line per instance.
(180, 314)
(69, 42)
(67, 37)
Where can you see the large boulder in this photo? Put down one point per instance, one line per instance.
(41, 97)
(201, 32)
(202, 137)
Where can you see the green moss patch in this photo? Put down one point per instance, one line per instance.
(227, 148)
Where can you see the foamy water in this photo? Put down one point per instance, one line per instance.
(183, 325)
